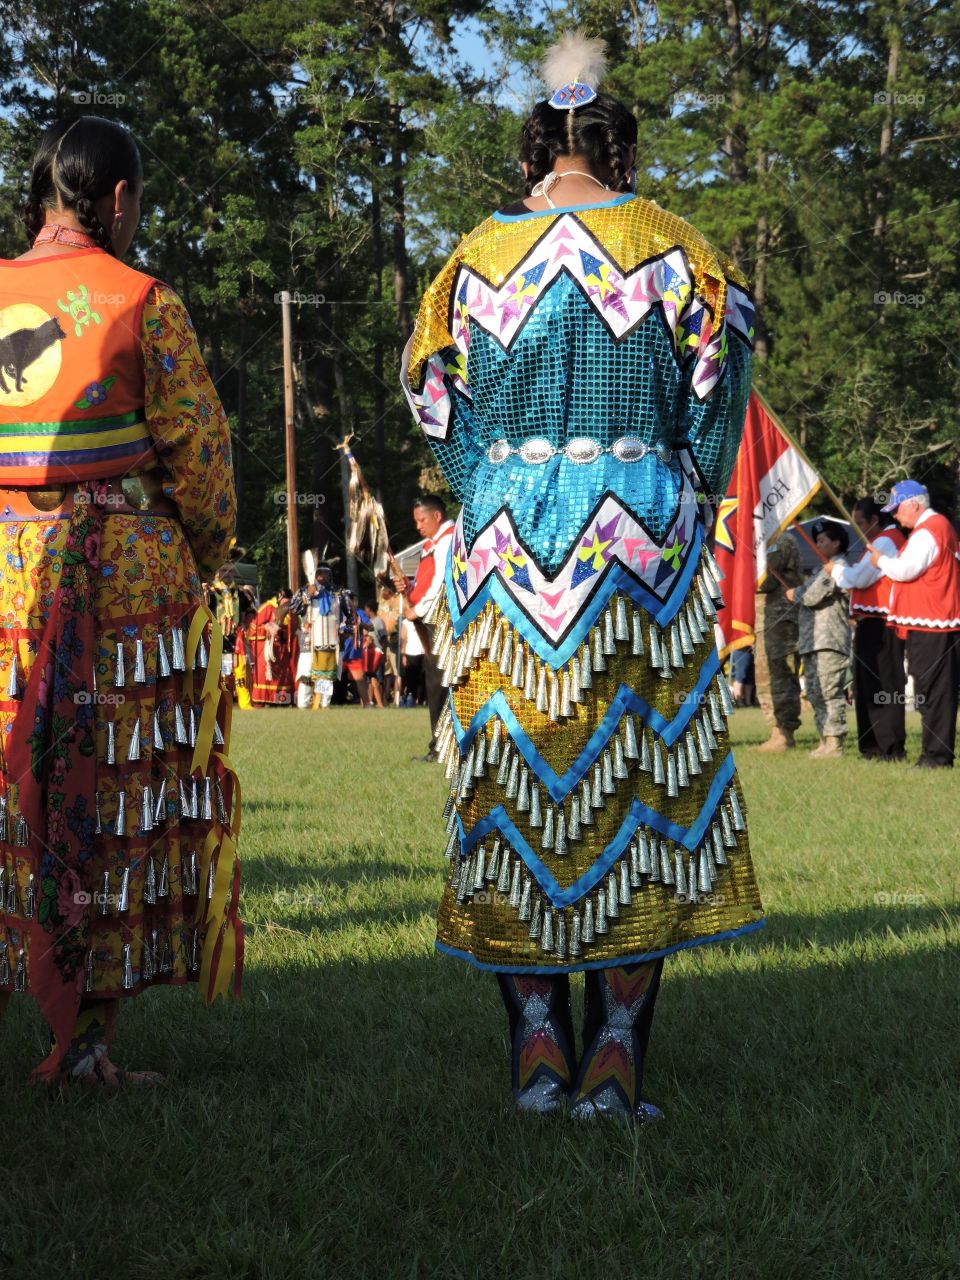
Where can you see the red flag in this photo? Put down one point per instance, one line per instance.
(772, 482)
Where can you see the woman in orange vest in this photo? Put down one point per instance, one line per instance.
(119, 811)
(878, 673)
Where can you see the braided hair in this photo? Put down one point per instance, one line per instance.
(78, 162)
(601, 131)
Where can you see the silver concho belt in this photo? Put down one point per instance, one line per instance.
(582, 450)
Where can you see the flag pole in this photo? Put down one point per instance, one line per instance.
(786, 434)
(290, 457)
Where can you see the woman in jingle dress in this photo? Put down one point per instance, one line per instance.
(581, 367)
(119, 811)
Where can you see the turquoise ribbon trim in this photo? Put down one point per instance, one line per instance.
(559, 786)
(726, 936)
(499, 819)
(613, 579)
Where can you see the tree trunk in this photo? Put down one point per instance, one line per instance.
(401, 271)
(379, 399)
(347, 422)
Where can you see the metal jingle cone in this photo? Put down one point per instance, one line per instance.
(119, 670)
(566, 701)
(120, 822)
(21, 836)
(98, 821)
(195, 948)
(111, 755)
(736, 812)
(659, 776)
(206, 808)
(458, 878)
(656, 652)
(607, 784)
(626, 897)
(546, 933)
(3, 885)
(465, 778)
(589, 933)
(524, 912)
(576, 948)
(202, 653)
(515, 886)
(513, 778)
(549, 821)
(448, 810)
(693, 755)
(503, 880)
(601, 925)
(453, 843)
(148, 963)
(104, 903)
(676, 653)
(635, 874)
(621, 627)
(123, 897)
(703, 749)
(636, 642)
(698, 613)
(553, 699)
(673, 789)
(726, 828)
(493, 748)
(496, 638)
(706, 599)
(719, 724)
(506, 761)
(163, 662)
(693, 627)
(516, 675)
(480, 755)
(211, 877)
(3, 818)
(666, 864)
(704, 883)
(536, 919)
(139, 665)
(574, 824)
(523, 791)
(13, 684)
(4, 963)
(683, 634)
(530, 680)
(613, 896)
(599, 661)
(194, 798)
(646, 757)
(20, 977)
(179, 726)
(160, 811)
(149, 881)
(609, 635)
(163, 884)
(680, 874)
(166, 956)
(643, 846)
(630, 749)
(620, 770)
(536, 811)
(596, 791)
(717, 840)
(479, 866)
(133, 750)
(176, 643)
(543, 701)
(586, 668)
(191, 879)
(683, 772)
(12, 905)
(191, 728)
(184, 797)
(576, 693)
(158, 743)
(88, 972)
(560, 840)
(560, 948)
(708, 733)
(506, 656)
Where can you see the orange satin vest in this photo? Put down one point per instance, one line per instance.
(71, 370)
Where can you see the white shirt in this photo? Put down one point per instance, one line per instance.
(412, 648)
(859, 576)
(915, 558)
(439, 548)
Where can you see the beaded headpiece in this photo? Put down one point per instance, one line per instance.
(572, 68)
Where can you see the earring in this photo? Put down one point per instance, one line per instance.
(117, 224)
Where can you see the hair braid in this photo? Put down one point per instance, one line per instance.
(602, 132)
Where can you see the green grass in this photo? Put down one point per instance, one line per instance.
(350, 1116)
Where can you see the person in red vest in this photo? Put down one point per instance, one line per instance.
(434, 525)
(878, 676)
(118, 809)
(925, 609)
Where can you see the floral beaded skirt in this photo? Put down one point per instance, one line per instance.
(119, 810)
(595, 815)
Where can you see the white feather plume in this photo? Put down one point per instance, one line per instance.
(575, 57)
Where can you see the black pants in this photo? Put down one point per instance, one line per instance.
(436, 694)
(934, 662)
(878, 684)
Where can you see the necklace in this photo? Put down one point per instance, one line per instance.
(52, 231)
(544, 187)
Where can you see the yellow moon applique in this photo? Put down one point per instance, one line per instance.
(29, 353)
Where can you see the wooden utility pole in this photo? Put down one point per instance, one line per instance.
(293, 543)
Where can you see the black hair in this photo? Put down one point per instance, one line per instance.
(601, 131)
(76, 163)
(871, 510)
(430, 502)
(834, 530)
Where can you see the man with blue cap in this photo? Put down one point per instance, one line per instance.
(925, 609)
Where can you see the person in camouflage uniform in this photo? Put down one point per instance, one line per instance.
(776, 660)
(825, 641)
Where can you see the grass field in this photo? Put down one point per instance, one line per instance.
(351, 1116)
